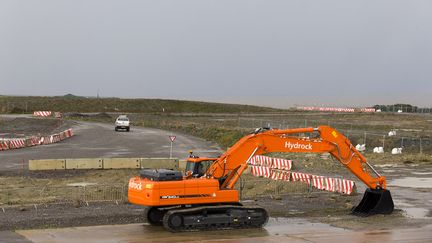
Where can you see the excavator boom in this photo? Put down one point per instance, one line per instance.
(268, 141)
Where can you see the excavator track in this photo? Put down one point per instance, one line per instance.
(154, 215)
(214, 218)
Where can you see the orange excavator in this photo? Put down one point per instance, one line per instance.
(205, 198)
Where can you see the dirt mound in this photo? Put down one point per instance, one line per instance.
(24, 127)
(101, 115)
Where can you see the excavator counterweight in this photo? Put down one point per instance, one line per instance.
(205, 198)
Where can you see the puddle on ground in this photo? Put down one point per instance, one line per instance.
(288, 226)
(303, 231)
(410, 210)
(400, 203)
(385, 165)
(140, 233)
(81, 184)
(116, 153)
(413, 182)
(422, 173)
(417, 213)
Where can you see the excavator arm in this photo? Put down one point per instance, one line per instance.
(231, 165)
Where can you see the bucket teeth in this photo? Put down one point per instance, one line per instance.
(376, 201)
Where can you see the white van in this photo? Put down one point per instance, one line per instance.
(122, 122)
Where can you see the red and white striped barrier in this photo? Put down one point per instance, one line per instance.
(42, 113)
(260, 171)
(330, 184)
(45, 140)
(280, 169)
(281, 164)
(335, 185)
(331, 109)
(344, 186)
(280, 175)
(69, 133)
(32, 141)
(335, 109)
(6, 144)
(17, 143)
(318, 182)
(55, 138)
(261, 160)
(274, 163)
(297, 176)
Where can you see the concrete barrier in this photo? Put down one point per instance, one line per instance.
(121, 163)
(84, 163)
(160, 163)
(106, 163)
(47, 164)
(182, 165)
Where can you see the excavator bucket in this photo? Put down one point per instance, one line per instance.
(375, 201)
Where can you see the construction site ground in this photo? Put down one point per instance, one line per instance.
(412, 201)
(409, 180)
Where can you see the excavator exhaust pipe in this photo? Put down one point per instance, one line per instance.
(375, 201)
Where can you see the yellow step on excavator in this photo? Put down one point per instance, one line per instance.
(204, 198)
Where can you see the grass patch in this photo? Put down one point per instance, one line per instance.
(70, 103)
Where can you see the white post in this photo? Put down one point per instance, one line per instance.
(171, 149)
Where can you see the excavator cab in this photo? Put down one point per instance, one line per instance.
(197, 167)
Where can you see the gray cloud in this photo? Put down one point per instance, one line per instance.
(276, 53)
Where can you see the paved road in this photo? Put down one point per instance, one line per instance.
(278, 230)
(100, 140)
(12, 237)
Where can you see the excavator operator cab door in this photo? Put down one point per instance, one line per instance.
(198, 169)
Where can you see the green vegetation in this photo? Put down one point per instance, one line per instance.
(224, 124)
(226, 129)
(71, 103)
(414, 132)
(204, 127)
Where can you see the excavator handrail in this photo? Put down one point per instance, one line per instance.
(200, 159)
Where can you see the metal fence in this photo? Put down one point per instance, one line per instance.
(254, 187)
(371, 133)
(411, 140)
(249, 188)
(62, 194)
(264, 187)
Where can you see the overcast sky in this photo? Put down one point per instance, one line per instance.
(267, 52)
